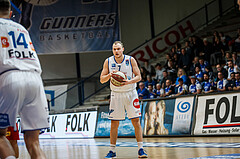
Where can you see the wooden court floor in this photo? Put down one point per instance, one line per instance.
(157, 148)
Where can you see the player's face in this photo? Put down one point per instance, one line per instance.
(118, 50)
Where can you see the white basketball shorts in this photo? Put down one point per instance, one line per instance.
(121, 101)
(22, 92)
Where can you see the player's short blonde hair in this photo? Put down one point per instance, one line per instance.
(118, 42)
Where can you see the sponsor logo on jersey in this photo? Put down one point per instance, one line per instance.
(113, 65)
(127, 62)
(136, 103)
(4, 41)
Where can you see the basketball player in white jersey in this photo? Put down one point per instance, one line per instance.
(124, 97)
(21, 88)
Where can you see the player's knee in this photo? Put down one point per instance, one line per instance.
(136, 122)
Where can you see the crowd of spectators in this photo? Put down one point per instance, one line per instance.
(198, 66)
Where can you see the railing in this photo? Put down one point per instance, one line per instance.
(86, 88)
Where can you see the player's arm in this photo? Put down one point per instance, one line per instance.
(105, 75)
(136, 71)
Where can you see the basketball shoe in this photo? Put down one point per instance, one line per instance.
(142, 153)
(111, 155)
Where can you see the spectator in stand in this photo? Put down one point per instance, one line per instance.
(218, 50)
(168, 57)
(158, 90)
(207, 51)
(215, 35)
(227, 58)
(172, 51)
(144, 73)
(184, 60)
(181, 74)
(152, 91)
(150, 81)
(221, 84)
(237, 44)
(172, 72)
(207, 84)
(197, 45)
(189, 50)
(224, 41)
(142, 91)
(169, 89)
(159, 71)
(150, 69)
(203, 64)
(164, 79)
(178, 48)
(181, 88)
(209, 71)
(231, 82)
(231, 69)
(195, 87)
(175, 60)
(237, 82)
(235, 59)
(195, 62)
(190, 39)
(221, 69)
(198, 73)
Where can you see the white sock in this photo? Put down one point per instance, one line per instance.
(112, 147)
(140, 145)
(11, 157)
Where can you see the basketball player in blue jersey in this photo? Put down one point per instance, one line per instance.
(21, 88)
(123, 97)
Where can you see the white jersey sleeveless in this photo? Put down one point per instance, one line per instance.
(16, 48)
(126, 67)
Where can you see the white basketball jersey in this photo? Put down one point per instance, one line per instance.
(126, 67)
(16, 48)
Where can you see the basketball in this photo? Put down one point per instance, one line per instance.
(41, 2)
(117, 78)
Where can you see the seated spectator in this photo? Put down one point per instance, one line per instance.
(227, 58)
(152, 91)
(150, 81)
(181, 88)
(207, 50)
(207, 84)
(164, 79)
(142, 91)
(159, 71)
(198, 73)
(181, 74)
(195, 87)
(209, 71)
(221, 69)
(195, 62)
(144, 73)
(231, 69)
(184, 60)
(203, 64)
(237, 82)
(221, 84)
(158, 90)
(235, 59)
(175, 60)
(168, 57)
(172, 72)
(231, 82)
(237, 44)
(224, 41)
(169, 89)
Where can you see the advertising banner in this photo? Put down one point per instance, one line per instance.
(168, 117)
(52, 92)
(71, 125)
(218, 115)
(104, 124)
(69, 26)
